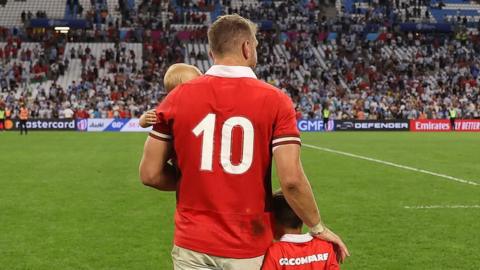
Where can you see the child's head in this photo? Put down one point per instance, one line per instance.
(285, 219)
(179, 73)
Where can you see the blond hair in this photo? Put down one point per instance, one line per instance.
(179, 73)
(227, 33)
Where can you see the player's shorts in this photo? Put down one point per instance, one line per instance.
(185, 259)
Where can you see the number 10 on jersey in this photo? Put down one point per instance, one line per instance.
(206, 129)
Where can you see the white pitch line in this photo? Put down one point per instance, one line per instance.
(443, 207)
(463, 181)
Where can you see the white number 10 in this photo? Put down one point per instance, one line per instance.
(207, 128)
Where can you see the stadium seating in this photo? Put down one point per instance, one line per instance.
(349, 62)
(97, 50)
(237, 4)
(194, 49)
(86, 4)
(10, 14)
(112, 6)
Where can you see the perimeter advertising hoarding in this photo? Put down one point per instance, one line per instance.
(51, 23)
(120, 125)
(314, 125)
(42, 124)
(372, 125)
(443, 125)
(427, 27)
(132, 125)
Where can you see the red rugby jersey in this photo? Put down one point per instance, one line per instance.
(224, 126)
(300, 252)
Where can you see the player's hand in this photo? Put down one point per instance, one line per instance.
(340, 248)
(148, 118)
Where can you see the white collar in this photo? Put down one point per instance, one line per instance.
(296, 238)
(231, 71)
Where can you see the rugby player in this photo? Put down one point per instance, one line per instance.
(224, 128)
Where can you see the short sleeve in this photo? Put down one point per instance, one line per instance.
(162, 130)
(285, 127)
(269, 261)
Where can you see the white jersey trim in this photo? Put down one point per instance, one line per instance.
(285, 139)
(161, 135)
(231, 72)
(296, 238)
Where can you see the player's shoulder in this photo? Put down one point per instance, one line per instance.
(185, 88)
(202, 79)
(259, 84)
(271, 92)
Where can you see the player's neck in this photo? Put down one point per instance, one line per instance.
(231, 61)
(292, 231)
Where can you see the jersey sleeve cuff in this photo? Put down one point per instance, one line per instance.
(160, 136)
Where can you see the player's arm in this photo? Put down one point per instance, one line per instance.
(286, 153)
(293, 181)
(295, 185)
(299, 195)
(155, 171)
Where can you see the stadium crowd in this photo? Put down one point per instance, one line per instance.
(361, 80)
(397, 75)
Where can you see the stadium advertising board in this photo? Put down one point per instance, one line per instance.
(119, 125)
(134, 126)
(371, 125)
(42, 124)
(314, 125)
(443, 125)
(426, 27)
(50, 23)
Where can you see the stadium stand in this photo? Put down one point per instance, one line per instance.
(374, 60)
(11, 13)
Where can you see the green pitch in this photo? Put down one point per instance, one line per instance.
(74, 201)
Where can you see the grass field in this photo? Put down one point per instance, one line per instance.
(74, 201)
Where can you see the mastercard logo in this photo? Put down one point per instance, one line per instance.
(8, 124)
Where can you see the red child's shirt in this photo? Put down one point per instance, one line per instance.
(300, 252)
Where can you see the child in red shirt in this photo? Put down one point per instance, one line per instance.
(295, 250)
